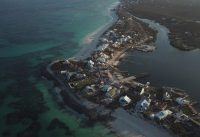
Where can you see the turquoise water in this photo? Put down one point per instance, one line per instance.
(33, 33)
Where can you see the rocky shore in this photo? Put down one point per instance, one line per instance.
(96, 87)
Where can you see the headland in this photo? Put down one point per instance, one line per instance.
(96, 87)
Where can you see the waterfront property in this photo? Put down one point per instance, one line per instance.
(97, 80)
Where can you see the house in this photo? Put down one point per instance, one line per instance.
(143, 105)
(90, 64)
(162, 114)
(101, 60)
(63, 72)
(147, 84)
(104, 40)
(124, 100)
(103, 47)
(104, 56)
(182, 101)
(166, 96)
(116, 44)
(144, 88)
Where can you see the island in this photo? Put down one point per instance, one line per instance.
(96, 87)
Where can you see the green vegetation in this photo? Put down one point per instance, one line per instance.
(83, 83)
(186, 110)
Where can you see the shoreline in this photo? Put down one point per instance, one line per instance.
(135, 124)
(111, 63)
(90, 41)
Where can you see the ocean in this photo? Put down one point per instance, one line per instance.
(33, 33)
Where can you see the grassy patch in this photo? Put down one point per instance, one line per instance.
(83, 83)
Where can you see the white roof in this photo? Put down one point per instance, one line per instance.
(163, 114)
(166, 96)
(142, 91)
(143, 105)
(182, 101)
(91, 62)
(144, 102)
(127, 99)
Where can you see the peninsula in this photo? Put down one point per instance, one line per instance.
(96, 87)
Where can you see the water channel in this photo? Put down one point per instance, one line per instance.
(167, 65)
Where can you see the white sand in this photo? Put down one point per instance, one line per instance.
(89, 38)
(127, 125)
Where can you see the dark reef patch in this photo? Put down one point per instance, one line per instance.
(31, 131)
(56, 123)
(28, 105)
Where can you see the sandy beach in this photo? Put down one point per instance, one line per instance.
(127, 125)
(90, 37)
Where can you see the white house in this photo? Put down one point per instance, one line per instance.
(101, 60)
(143, 105)
(182, 101)
(103, 47)
(63, 72)
(162, 114)
(166, 96)
(124, 100)
(147, 84)
(104, 55)
(104, 40)
(90, 63)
